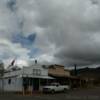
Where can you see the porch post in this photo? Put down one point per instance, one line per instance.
(39, 84)
(23, 86)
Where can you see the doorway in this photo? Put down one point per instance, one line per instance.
(35, 84)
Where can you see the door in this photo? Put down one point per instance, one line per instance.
(26, 84)
(35, 84)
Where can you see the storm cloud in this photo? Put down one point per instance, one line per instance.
(66, 31)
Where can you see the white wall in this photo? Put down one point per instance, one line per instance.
(29, 70)
(13, 73)
(15, 85)
(16, 77)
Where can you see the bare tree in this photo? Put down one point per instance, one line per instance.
(1, 75)
(1, 69)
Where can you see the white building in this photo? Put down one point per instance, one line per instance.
(26, 79)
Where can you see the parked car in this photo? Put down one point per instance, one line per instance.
(55, 87)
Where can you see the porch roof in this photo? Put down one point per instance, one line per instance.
(41, 77)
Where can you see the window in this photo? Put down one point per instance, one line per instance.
(36, 72)
(9, 81)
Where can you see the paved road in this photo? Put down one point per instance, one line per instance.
(77, 94)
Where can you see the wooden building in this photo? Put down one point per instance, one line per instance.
(64, 76)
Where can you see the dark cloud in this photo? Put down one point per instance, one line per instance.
(73, 29)
(66, 31)
(11, 4)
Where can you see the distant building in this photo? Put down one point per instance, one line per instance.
(61, 74)
(58, 70)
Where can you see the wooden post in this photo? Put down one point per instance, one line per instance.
(39, 84)
(47, 81)
(70, 82)
(31, 86)
(80, 83)
(23, 87)
(23, 91)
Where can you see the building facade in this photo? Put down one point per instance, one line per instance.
(27, 79)
(33, 78)
(58, 70)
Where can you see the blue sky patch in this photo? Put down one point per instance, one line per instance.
(24, 41)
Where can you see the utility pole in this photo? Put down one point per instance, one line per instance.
(75, 69)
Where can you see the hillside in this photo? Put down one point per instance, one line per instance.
(87, 72)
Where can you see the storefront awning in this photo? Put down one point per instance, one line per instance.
(41, 77)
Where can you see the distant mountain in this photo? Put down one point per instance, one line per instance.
(87, 72)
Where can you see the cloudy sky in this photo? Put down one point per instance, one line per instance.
(52, 31)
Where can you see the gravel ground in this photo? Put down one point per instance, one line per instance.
(76, 94)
